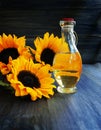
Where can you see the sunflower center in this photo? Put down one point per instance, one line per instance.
(47, 56)
(4, 54)
(28, 79)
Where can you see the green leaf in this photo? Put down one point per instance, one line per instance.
(4, 84)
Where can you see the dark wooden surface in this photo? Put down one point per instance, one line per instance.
(34, 17)
(79, 111)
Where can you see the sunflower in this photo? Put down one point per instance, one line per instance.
(11, 47)
(28, 78)
(47, 47)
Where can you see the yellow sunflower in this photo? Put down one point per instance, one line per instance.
(47, 47)
(11, 47)
(28, 78)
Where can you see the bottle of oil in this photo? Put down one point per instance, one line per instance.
(69, 73)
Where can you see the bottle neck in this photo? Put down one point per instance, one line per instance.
(67, 33)
(67, 28)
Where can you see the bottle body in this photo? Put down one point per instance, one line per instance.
(69, 64)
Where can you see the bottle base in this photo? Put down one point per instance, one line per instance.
(67, 90)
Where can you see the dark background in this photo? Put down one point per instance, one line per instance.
(35, 17)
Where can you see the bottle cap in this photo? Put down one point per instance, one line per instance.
(68, 19)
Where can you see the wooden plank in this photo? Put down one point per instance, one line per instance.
(34, 18)
(79, 111)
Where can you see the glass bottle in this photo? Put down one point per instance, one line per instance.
(68, 65)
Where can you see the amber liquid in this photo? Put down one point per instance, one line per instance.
(67, 72)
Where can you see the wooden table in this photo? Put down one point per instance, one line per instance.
(79, 111)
